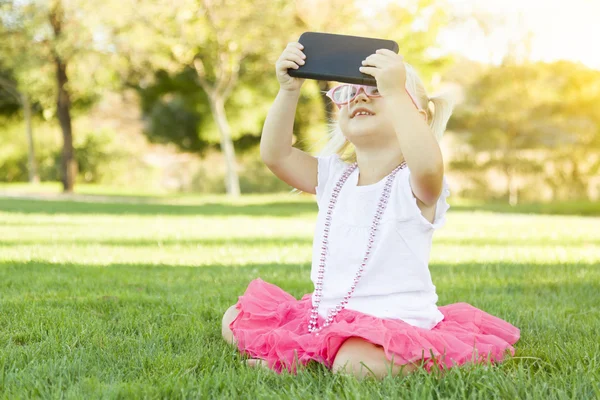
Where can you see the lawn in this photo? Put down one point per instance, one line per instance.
(123, 299)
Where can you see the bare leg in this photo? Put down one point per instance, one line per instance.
(361, 359)
(228, 317)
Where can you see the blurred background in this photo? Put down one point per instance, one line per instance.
(169, 96)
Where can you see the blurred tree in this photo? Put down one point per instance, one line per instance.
(512, 110)
(56, 16)
(172, 111)
(11, 88)
(9, 103)
(175, 110)
(11, 94)
(496, 119)
(45, 42)
(573, 113)
(211, 37)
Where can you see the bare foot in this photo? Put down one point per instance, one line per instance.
(257, 363)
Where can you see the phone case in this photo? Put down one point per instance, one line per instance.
(331, 57)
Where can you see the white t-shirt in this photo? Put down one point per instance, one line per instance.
(396, 282)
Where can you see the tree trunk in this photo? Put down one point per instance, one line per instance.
(63, 102)
(63, 107)
(232, 182)
(32, 163)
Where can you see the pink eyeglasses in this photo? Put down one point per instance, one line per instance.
(344, 94)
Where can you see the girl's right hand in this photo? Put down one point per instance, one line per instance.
(292, 57)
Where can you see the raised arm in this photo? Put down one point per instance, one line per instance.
(291, 165)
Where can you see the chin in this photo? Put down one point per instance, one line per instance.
(352, 135)
(352, 130)
(363, 138)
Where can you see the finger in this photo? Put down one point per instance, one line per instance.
(369, 70)
(376, 60)
(296, 45)
(293, 57)
(388, 52)
(380, 57)
(285, 65)
(295, 51)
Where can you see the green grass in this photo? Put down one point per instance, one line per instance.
(573, 207)
(124, 299)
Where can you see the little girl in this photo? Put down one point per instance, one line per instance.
(373, 309)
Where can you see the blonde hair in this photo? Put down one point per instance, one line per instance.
(438, 117)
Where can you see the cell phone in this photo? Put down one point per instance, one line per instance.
(332, 57)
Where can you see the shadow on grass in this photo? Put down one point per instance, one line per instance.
(140, 206)
(274, 209)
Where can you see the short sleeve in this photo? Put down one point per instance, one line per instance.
(441, 208)
(328, 168)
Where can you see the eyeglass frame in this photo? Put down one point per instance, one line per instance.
(363, 87)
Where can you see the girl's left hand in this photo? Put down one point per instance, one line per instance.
(388, 70)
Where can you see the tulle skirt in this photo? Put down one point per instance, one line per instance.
(273, 325)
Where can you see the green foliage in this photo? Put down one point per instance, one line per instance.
(534, 119)
(171, 122)
(30, 49)
(257, 178)
(13, 152)
(99, 156)
(9, 105)
(13, 167)
(254, 177)
(176, 110)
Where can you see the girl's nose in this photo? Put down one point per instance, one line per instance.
(361, 95)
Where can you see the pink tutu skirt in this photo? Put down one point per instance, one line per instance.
(272, 325)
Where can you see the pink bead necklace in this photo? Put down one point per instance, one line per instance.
(312, 325)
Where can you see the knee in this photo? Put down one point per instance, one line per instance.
(362, 359)
(228, 317)
(351, 357)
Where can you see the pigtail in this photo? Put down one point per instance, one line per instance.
(443, 105)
